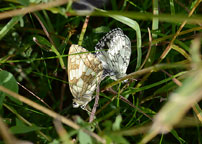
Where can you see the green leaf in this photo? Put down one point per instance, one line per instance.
(24, 2)
(148, 110)
(174, 133)
(101, 29)
(108, 139)
(55, 142)
(117, 124)
(9, 26)
(118, 139)
(84, 138)
(46, 45)
(2, 97)
(8, 81)
(22, 128)
(107, 124)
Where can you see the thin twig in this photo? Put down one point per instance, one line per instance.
(196, 106)
(5, 134)
(149, 49)
(63, 92)
(44, 29)
(8, 137)
(34, 95)
(83, 30)
(53, 47)
(92, 115)
(150, 69)
(128, 102)
(175, 80)
(105, 105)
(62, 132)
(50, 113)
(26, 121)
(182, 5)
(168, 48)
(138, 109)
(32, 8)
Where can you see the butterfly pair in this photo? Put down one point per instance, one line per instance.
(86, 70)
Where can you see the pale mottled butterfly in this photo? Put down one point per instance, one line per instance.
(114, 51)
(84, 73)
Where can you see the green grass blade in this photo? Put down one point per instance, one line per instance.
(9, 26)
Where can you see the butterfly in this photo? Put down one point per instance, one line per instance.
(84, 73)
(114, 51)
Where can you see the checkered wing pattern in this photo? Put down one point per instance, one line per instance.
(84, 73)
(114, 51)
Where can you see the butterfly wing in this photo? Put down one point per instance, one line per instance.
(84, 73)
(119, 53)
(116, 59)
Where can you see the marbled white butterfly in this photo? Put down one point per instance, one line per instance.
(84, 73)
(114, 51)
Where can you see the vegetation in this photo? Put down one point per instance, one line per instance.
(160, 102)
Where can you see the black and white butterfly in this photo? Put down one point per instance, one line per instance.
(114, 51)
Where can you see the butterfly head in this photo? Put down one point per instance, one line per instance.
(79, 103)
(75, 104)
